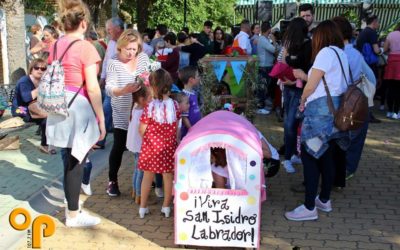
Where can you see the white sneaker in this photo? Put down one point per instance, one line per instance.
(159, 192)
(295, 159)
(326, 207)
(263, 112)
(382, 107)
(289, 167)
(301, 213)
(86, 189)
(389, 114)
(395, 116)
(83, 219)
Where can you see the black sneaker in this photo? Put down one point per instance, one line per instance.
(113, 189)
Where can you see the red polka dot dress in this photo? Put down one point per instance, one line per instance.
(159, 141)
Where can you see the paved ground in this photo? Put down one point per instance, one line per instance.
(366, 214)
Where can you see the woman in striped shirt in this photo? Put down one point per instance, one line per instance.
(122, 71)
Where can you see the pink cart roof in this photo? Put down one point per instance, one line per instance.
(224, 122)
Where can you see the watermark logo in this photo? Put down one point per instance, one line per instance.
(34, 234)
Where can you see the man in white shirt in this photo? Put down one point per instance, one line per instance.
(243, 38)
(114, 27)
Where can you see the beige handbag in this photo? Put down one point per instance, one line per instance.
(367, 88)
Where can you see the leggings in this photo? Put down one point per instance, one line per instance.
(73, 172)
(393, 97)
(116, 153)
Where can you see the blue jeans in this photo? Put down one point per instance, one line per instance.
(87, 169)
(137, 175)
(264, 80)
(291, 101)
(353, 153)
(107, 115)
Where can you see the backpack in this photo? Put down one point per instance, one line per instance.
(51, 93)
(369, 54)
(353, 109)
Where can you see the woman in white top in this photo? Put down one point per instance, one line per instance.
(122, 71)
(318, 128)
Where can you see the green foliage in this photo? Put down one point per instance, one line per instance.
(39, 8)
(352, 16)
(171, 13)
(213, 103)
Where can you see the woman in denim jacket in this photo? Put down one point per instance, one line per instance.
(318, 131)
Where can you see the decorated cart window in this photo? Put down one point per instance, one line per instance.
(218, 168)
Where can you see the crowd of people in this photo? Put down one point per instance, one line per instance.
(150, 117)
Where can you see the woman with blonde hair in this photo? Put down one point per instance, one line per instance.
(84, 126)
(122, 72)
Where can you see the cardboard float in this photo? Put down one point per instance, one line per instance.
(206, 216)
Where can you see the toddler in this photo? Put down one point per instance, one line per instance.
(134, 140)
(158, 127)
(219, 168)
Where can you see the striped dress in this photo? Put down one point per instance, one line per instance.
(118, 77)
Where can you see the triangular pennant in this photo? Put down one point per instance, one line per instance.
(238, 69)
(219, 68)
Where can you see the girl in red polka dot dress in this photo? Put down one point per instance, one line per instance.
(158, 126)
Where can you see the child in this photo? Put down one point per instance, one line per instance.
(190, 78)
(158, 127)
(134, 140)
(184, 105)
(270, 157)
(219, 168)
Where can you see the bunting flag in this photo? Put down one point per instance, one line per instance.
(219, 68)
(238, 69)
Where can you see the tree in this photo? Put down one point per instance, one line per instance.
(149, 13)
(170, 12)
(15, 22)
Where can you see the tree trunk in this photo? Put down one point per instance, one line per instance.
(15, 21)
(142, 13)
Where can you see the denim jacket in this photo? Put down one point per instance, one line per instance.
(318, 127)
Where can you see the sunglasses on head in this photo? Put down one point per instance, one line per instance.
(41, 68)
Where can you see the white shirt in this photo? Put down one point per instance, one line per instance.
(328, 62)
(274, 152)
(110, 53)
(148, 49)
(133, 138)
(244, 41)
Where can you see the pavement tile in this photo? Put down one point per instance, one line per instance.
(365, 214)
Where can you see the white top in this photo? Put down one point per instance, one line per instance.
(244, 41)
(110, 53)
(220, 171)
(118, 76)
(133, 139)
(148, 49)
(274, 152)
(327, 61)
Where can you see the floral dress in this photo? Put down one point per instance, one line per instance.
(159, 141)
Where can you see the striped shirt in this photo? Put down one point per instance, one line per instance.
(118, 77)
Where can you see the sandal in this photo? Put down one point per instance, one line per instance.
(44, 149)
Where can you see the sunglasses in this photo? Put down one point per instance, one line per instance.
(41, 68)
